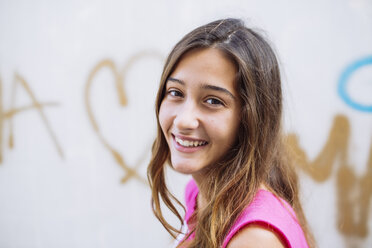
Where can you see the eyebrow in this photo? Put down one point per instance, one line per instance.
(205, 86)
(176, 80)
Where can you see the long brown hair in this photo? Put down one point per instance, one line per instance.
(258, 156)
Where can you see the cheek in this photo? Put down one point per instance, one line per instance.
(224, 131)
(233, 128)
(164, 117)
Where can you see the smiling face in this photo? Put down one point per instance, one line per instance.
(199, 115)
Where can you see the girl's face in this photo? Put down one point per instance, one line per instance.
(199, 114)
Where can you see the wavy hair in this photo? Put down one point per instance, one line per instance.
(259, 154)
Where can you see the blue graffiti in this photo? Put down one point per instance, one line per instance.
(345, 76)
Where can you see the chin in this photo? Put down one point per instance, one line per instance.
(184, 168)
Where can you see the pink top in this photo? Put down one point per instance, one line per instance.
(266, 209)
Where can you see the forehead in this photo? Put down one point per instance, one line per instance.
(206, 65)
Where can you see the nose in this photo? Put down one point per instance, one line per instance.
(187, 117)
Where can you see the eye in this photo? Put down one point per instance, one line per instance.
(215, 102)
(174, 93)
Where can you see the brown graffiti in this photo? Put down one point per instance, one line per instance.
(353, 193)
(335, 148)
(119, 79)
(9, 114)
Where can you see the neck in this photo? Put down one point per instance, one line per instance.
(201, 200)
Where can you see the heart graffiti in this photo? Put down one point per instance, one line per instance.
(119, 80)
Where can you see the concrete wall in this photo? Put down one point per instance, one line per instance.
(78, 82)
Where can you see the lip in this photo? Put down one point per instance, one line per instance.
(186, 149)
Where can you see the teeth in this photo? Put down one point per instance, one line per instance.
(189, 143)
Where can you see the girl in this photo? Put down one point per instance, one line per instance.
(219, 109)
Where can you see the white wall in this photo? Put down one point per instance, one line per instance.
(60, 186)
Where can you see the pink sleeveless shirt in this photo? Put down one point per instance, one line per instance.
(266, 209)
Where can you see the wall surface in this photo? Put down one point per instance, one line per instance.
(77, 87)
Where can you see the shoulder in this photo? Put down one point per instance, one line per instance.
(254, 234)
(191, 191)
(267, 218)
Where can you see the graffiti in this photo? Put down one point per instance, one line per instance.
(13, 111)
(342, 85)
(353, 193)
(119, 79)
